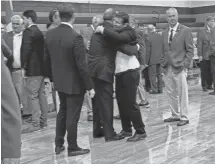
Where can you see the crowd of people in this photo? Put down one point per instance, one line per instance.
(112, 58)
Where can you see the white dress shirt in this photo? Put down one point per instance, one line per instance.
(174, 30)
(124, 62)
(66, 23)
(17, 42)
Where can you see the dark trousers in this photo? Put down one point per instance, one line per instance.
(155, 76)
(103, 108)
(212, 59)
(126, 91)
(67, 119)
(147, 81)
(206, 75)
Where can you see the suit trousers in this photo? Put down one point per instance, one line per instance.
(37, 101)
(212, 59)
(177, 91)
(147, 80)
(103, 108)
(141, 90)
(67, 119)
(155, 76)
(126, 91)
(206, 75)
(19, 84)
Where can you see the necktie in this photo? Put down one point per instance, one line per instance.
(170, 37)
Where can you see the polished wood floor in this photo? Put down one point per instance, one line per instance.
(166, 143)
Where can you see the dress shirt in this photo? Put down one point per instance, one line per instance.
(66, 23)
(92, 27)
(174, 30)
(17, 42)
(124, 62)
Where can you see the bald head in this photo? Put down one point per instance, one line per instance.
(17, 23)
(151, 28)
(109, 14)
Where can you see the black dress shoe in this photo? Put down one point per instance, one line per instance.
(137, 137)
(59, 149)
(210, 87)
(183, 122)
(125, 134)
(160, 91)
(115, 138)
(212, 93)
(172, 119)
(78, 151)
(153, 92)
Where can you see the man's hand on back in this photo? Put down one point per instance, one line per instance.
(99, 29)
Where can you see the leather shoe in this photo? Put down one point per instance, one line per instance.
(115, 138)
(183, 122)
(59, 149)
(137, 137)
(171, 119)
(78, 151)
(210, 87)
(212, 93)
(125, 134)
(153, 92)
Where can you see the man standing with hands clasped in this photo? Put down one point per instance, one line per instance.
(66, 66)
(177, 55)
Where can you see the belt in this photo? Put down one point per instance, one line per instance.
(16, 69)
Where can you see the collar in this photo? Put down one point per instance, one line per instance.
(68, 24)
(175, 27)
(92, 27)
(208, 28)
(19, 34)
(31, 25)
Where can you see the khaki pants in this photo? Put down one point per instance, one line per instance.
(177, 91)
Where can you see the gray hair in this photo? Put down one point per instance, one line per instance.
(172, 9)
(17, 17)
(97, 18)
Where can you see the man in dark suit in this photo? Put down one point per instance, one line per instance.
(203, 47)
(87, 33)
(32, 62)
(212, 56)
(101, 63)
(10, 119)
(67, 67)
(153, 60)
(177, 54)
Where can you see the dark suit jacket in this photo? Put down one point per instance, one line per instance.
(180, 53)
(155, 49)
(65, 56)
(32, 51)
(7, 48)
(212, 43)
(10, 117)
(203, 43)
(102, 54)
(142, 50)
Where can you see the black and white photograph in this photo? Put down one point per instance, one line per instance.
(107, 82)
